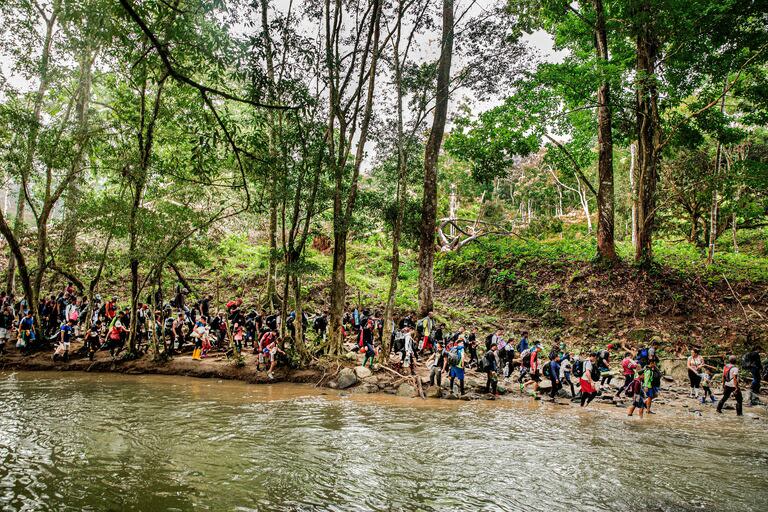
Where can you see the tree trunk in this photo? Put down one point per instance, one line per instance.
(342, 210)
(27, 166)
(429, 202)
(633, 191)
(584, 199)
(72, 197)
(648, 135)
(713, 231)
(606, 249)
(271, 290)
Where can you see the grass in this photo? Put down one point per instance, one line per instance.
(503, 260)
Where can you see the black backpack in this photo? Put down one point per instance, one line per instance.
(547, 370)
(595, 372)
(482, 364)
(578, 368)
(656, 378)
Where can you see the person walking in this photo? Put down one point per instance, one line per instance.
(694, 364)
(438, 365)
(589, 379)
(456, 359)
(754, 365)
(628, 366)
(554, 375)
(491, 366)
(731, 386)
(651, 384)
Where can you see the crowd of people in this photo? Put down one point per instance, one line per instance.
(179, 325)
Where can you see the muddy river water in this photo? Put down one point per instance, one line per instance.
(148, 443)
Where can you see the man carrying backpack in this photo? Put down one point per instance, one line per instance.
(589, 379)
(456, 360)
(438, 365)
(651, 384)
(628, 366)
(552, 372)
(522, 346)
(491, 366)
(753, 363)
(731, 386)
(426, 327)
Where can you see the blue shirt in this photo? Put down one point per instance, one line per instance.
(554, 368)
(67, 330)
(523, 345)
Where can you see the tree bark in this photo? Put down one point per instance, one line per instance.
(713, 212)
(342, 213)
(648, 135)
(72, 197)
(606, 249)
(429, 201)
(271, 289)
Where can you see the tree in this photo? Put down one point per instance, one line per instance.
(434, 142)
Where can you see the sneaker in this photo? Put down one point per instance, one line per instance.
(271, 377)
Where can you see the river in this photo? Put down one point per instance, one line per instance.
(148, 443)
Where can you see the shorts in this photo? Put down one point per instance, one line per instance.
(638, 402)
(536, 377)
(456, 372)
(66, 345)
(652, 392)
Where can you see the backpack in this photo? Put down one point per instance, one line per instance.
(526, 360)
(656, 378)
(482, 363)
(578, 368)
(595, 372)
(642, 356)
(547, 370)
(727, 373)
(453, 357)
(488, 341)
(631, 388)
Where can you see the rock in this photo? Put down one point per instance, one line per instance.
(366, 388)
(333, 384)
(362, 372)
(406, 390)
(346, 378)
(425, 381)
(371, 379)
(435, 392)
(350, 356)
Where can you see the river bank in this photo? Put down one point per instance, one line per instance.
(348, 377)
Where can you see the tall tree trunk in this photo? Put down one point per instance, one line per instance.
(606, 249)
(402, 169)
(72, 197)
(713, 212)
(429, 202)
(342, 210)
(648, 135)
(633, 191)
(271, 290)
(34, 130)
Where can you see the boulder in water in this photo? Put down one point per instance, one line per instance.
(406, 389)
(346, 378)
